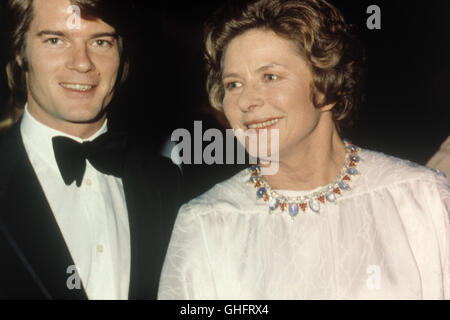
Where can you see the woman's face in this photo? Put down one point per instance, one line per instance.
(268, 85)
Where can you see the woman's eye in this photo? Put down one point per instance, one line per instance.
(232, 85)
(270, 77)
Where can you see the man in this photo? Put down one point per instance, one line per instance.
(84, 212)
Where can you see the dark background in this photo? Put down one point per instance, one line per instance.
(406, 113)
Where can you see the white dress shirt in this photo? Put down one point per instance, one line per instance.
(386, 238)
(92, 218)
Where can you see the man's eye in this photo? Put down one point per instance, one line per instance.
(270, 77)
(103, 43)
(232, 85)
(54, 41)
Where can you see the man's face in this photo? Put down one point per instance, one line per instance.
(72, 69)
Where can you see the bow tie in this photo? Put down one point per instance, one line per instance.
(105, 153)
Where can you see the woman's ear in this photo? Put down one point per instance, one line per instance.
(328, 107)
(319, 99)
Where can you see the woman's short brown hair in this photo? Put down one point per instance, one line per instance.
(20, 16)
(319, 31)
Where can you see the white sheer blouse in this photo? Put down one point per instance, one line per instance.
(386, 238)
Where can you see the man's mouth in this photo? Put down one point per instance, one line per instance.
(77, 87)
(262, 124)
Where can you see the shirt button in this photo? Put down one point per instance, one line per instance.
(100, 248)
(88, 182)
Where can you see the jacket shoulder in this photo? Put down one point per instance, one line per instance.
(10, 151)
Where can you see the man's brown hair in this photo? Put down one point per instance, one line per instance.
(20, 16)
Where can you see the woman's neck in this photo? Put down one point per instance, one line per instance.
(316, 162)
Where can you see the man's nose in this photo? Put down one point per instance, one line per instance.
(250, 98)
(80, 59)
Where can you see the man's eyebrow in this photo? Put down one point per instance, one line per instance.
(63, 34)
(105, 34)
(50, 33)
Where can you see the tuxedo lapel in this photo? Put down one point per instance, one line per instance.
(30, 224)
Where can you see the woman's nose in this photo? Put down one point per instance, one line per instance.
(250, 98)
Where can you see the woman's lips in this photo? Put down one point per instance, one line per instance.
(262, 124)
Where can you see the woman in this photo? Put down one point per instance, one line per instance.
(335, 221)
(441, 159)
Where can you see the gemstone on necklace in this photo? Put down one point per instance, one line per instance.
(352, 171)
(261, 192)
(344, 185)
(321, 198)
(314, 205)
(253, 179)
(293, 209)
(331, 196)
(303, 206)
(355, 158)
(255, 168)
(273, 204)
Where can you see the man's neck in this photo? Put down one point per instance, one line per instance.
(80, 130)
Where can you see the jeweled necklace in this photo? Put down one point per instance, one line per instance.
(313, 201)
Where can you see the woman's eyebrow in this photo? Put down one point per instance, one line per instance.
(230, 75)
(260, 69)
(270, 65)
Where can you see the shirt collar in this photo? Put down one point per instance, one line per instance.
(38, 136)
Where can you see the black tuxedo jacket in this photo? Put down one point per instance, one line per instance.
(33, 255)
